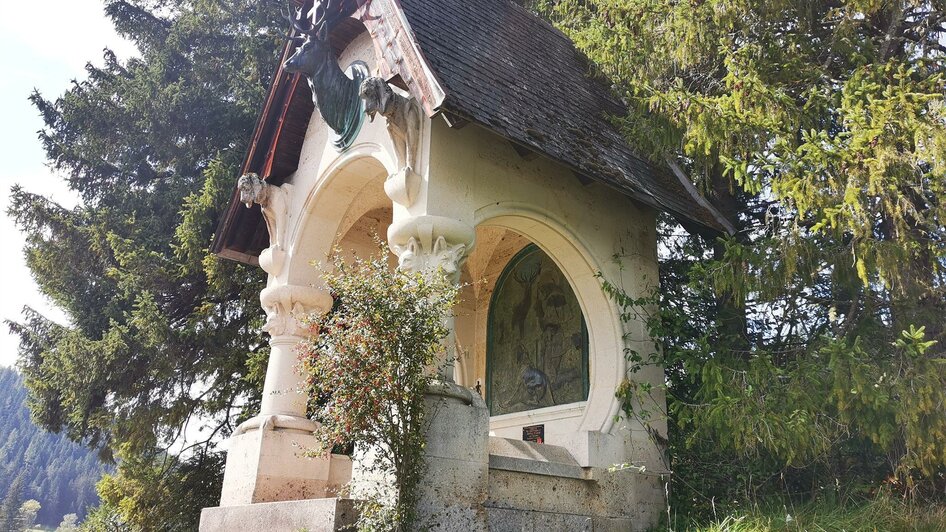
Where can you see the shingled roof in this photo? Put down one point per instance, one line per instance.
(510, 71)
(494, 63)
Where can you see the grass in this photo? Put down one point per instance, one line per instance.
(882, 514)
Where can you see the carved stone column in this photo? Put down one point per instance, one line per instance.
(285, 306)
(265, 461)
(265, 458)
(430, 244)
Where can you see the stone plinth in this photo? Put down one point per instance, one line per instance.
(318, 515)
(542, 487)
(455, 485)
(266, 464)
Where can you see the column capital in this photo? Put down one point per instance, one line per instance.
(429, 244)
(287, 305)
(424, 243)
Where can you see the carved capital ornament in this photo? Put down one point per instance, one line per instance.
(432, 243)
(286, 307)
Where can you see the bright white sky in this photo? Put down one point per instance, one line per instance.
(43, 47)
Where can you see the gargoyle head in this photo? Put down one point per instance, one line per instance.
(251, 189)
(444, 257)
(377, 96)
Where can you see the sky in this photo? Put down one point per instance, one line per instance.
(43, 48)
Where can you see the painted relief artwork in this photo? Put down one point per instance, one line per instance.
(537, 344)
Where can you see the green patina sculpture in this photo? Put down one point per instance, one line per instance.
(334, 91)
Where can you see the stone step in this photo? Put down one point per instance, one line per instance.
(311, 515)
(535, 458)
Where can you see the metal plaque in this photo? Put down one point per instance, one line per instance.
(534, 433)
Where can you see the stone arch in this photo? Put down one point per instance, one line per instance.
(351, 187)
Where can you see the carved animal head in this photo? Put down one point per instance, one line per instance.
(377, 95)
(310, 58)
(410, 256)
(450, 258)
(315, 52)
(444, 256)
(251, 189)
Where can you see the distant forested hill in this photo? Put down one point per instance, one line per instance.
(61, 475)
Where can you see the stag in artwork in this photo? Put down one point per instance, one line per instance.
(334, 92)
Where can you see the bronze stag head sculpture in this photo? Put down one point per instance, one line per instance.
(334, 93)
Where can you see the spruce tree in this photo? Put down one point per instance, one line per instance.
(812, 339)
(10, 506)
(160, 332)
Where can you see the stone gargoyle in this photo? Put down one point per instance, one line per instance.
(274, 202)
(404, 122)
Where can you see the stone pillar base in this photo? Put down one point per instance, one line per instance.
(455, 484)
(266, 464)
(318, 515)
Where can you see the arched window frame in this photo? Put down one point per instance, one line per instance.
(520, 256)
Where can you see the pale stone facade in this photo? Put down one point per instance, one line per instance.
(466, 200)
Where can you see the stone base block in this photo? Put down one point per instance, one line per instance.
(267, 465)
(318, 515)
(454, 486)
(503, 520)
(548, 496)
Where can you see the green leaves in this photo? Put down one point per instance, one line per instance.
(369, 363)
(813, 337)
(159, 331)
(912, 343)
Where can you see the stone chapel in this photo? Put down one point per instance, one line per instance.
(474, 137)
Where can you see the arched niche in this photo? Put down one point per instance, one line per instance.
(536, 337)
(344, 209)
(502, 232)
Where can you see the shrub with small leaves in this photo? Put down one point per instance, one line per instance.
(369, 362)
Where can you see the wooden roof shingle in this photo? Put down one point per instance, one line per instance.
(506, 69)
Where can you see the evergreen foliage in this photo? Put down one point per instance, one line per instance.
(54, 474)
(9, 506)
(809, 345)
(160, 332)
(158, 493)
